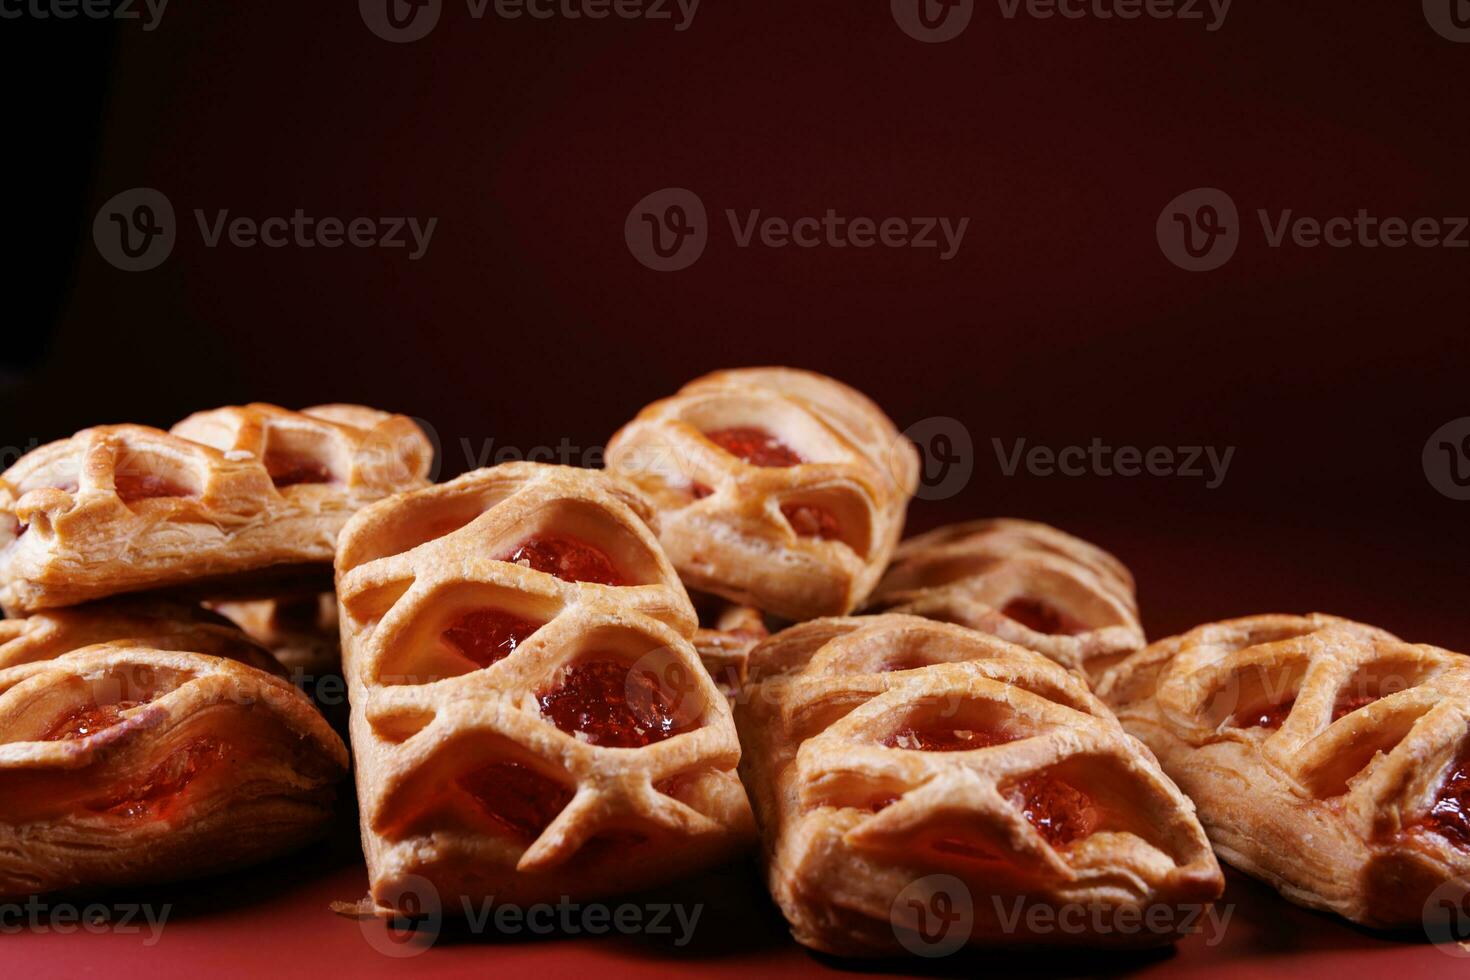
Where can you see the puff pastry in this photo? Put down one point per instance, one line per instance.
(159, 624)
(1327, 758)
(529, 718)
(1024, 582)
(776, 488)
(727, 633)
(255, 493)
(300, 631)
(121, 764)
(880, 751)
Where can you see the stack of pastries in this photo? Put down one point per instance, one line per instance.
(568, 683)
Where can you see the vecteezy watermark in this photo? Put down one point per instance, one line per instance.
(937, 21)
(1449, 18)
(403, 21)
(946, 456)
(933, 916)
(1097, 458)
(1031, 918)
(419, 919)
(150, 12)
(1446, 459)
(65, 919)
(669, 229)
(1447, 917)
(1200, 229)
(136, 230)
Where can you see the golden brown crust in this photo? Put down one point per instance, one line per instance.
(425, 720)
(158, 624)
(854, 812)
(971, 574)
(736, 541)
(204, 764)
(727, 634)
(232, 495)
(1314, 748)
(300, 631)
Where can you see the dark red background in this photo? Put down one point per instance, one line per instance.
(528, 321)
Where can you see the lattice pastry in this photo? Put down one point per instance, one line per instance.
(883, 751)
(154, 623)
(121, 764)
(776, 488)
(1327, 758)
(529, 717)
(254, 493)
(1024, 582)
(300, 631)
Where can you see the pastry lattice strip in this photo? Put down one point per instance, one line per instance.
(883, 750)
(121, 764)
(1024, 582)
(1356, 745)
(253, 490)
(466, 777)
(776, 488)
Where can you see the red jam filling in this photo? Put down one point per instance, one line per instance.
(756, 446)
(1042, 617)
(1449, 816)
(487, 636)
(1059, 811)
(1348, 703)
(567, 558)
(946, 739)
(157, 793)
(699, 491)
(87, 720)
(593, 701)
(811, 521)
(145, 486)
(289, 469)
(517, 798)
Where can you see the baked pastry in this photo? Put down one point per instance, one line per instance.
(529, 718)
(121, 764)
(1326, 757)
(300, 631)
(154, 623)
(883, 751)
(776, 488)
(252, 495)
(1024, 582)
(727, 633)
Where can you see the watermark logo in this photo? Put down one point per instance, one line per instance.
(415, 924)
(946, 456)
(401, 21)
(668, 230)
(1449, 18)
(1019, 915)
(64, 919)
(1447, 917)
(1446, 459)
(1098, 458)
(1199, 230)
(135, 230)
(933, 21)
(150, 12)
(933, 916)
(661, 690)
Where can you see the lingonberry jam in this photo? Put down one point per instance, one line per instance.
(288, 469)
(516, 797)
(811, 521)
(1449, 815)
(158, 793)
(1269, 716)
(754, 445)
(1042, 617)
(486, 636)
(607, 704)
(145, 486)
(88, 719)
(1348, 702)
(940, 739)
(1059, 811)
(569, 559)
